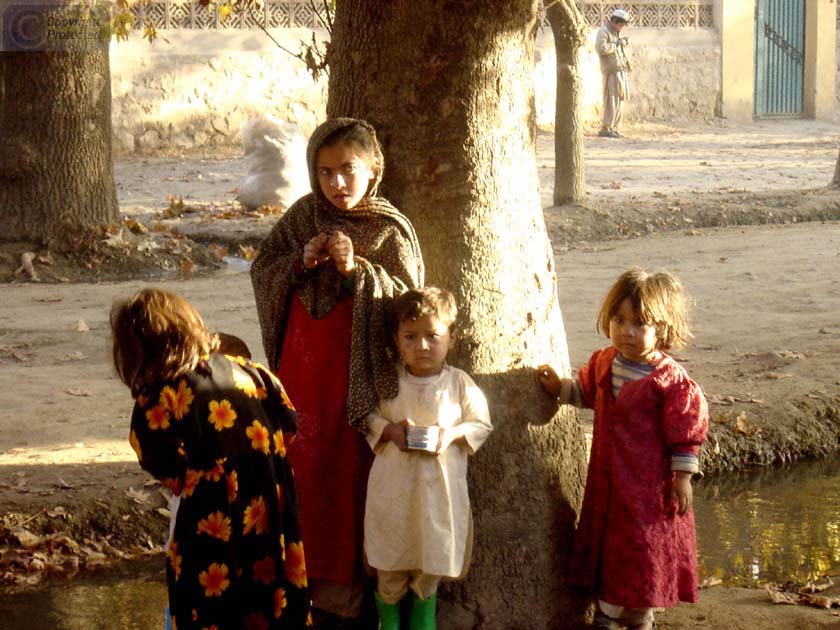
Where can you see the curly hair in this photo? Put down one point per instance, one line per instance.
(157, 336)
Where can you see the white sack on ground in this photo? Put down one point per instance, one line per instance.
(275, 155)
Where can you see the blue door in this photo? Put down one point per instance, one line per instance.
(779, 57)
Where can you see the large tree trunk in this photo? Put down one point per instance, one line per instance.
(56, 172)
(569, 29)
(449, 86)
(836, 180)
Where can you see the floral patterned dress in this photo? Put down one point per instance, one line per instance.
(217, 436)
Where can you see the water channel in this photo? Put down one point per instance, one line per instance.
(752, 527)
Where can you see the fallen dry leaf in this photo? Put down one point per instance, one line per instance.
(78, 391)
(778, 596)
(81, 326)
(58, 511)
(187, 266)
(744, 426)
(138, 496)
(248, 252)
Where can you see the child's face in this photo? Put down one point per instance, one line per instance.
(343, 174)
(636, 341)
(423, 344)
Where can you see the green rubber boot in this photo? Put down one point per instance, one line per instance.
(422, 613)
(389, 614)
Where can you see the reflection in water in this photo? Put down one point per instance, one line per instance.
(129, 597)
(763, 525)
(767, 525)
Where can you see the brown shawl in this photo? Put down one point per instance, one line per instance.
(388, 262)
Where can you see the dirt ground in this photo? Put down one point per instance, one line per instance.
(720, 205)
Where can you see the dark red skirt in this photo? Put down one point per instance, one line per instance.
(330, 460)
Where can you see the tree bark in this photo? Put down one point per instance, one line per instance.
(448, 84)
(569, 29)
(836, 180)
(56, 172)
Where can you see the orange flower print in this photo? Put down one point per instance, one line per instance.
(177, 403)
(283, 547)
(256, 621)
(158, 418)
(279, 602)
(191, 481)
(222, 414)
(295, 564)
(214, 579)
(216, 525)
(246, 384)
(217, 472)
(174, 559)
(194, 614)
(279, 444)
(264, 570)
(285, 397)
(142, 400)
(256, 517)
(135, 444)
(259, 436)
(309, 622)
(232, 486)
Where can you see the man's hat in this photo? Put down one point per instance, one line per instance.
(620, 14)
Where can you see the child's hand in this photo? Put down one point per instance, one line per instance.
(397, 433)
(549, 380)
(682, 495)
(315, 251)
(340, 249)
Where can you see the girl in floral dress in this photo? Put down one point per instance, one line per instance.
(635, 545)
(214, 429)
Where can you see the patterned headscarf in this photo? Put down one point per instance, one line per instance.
(388, 262)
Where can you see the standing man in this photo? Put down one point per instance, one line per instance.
(609, 44)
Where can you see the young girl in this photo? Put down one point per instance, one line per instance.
(635, 546)
(323, 283)
(214, 429)
(417, 521)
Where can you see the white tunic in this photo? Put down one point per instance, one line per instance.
(417, 515)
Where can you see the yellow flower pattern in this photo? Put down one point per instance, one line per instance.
(256, 517)
(214, 579)
(258, 435)
(221, 415)
(203, 435)
(177, 402)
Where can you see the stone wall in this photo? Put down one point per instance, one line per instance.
(194, 91)
(675, 74)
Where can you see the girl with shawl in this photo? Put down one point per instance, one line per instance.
(323, 282)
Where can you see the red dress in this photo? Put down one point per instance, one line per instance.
(631, 548)
(331, 461)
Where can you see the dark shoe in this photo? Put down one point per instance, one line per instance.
(605, 134)
(615, 134)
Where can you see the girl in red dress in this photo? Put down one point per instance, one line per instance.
(323, 283)
(635, 547)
